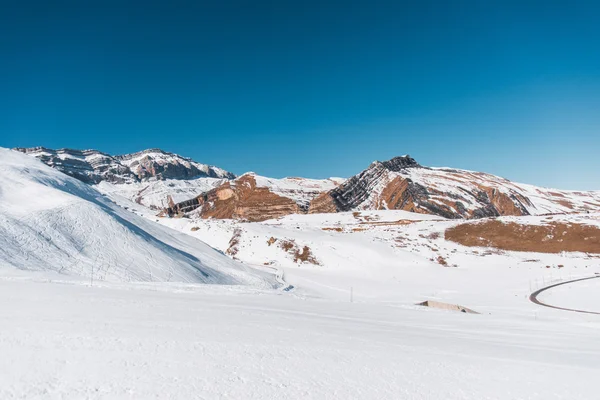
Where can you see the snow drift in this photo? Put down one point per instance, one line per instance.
(52, 222)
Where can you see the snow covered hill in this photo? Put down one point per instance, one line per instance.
(93, 166)
(403, 184)
(52, 222)
(153, 178)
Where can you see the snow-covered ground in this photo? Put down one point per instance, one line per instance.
(148, 341)
(346, 328)
(391, 256)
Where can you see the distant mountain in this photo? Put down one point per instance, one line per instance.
(403, 184)
(177, 186)
(92, 166)
(153, 178)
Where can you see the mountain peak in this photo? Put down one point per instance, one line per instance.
(145, 152)
(398, 163)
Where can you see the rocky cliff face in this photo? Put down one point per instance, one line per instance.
(402, 184)
(239, 199)
(254, 198)
(92, 166)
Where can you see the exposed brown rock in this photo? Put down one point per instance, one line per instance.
(553, 237)
(303, 255)
(323, 203)
(566, 203)
(505, 205)
(240, 199)
(234, 242)
(442, 261)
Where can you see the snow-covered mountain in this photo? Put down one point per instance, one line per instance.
(93, 166)
(153, 178)
(403, 184)
(397, 184)
(52, 222)
(176, 185)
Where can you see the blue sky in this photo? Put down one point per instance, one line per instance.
(312, 88)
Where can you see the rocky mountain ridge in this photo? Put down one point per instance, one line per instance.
(403, 184)
(93, 166)
(178, 186)
(397, 184)
(254, 198)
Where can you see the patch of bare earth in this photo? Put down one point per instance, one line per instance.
(301, 255)
(234, 242)
(554, 237)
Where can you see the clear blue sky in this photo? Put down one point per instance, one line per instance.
(312, 88)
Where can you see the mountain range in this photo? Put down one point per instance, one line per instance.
(178, 186)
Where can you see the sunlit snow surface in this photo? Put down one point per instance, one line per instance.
(52, 222)
(348, 329)
(120, 341)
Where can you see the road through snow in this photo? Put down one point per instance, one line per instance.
(154, 341)
(534, 296)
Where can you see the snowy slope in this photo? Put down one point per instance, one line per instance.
(391, 256)
(348, 329)
(52, 222)
(301, 190)
(159, 194)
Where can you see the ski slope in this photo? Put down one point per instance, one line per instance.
(52, 222)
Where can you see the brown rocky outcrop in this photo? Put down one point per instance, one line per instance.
(239, 199)
(323, 203)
